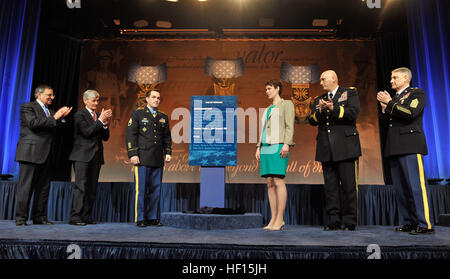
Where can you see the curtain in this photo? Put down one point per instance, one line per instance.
(19, 21)
(429, 37)
(392, 53)
(58, 65)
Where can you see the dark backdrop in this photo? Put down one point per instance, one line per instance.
(58, 65)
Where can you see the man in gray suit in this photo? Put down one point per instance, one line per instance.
(37, 127)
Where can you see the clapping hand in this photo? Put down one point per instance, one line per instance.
(62, 112)
(323, 104)
(105, 116)
(384, 98)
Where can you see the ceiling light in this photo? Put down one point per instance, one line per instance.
(140, 23)
(320, 22)
(163, 24)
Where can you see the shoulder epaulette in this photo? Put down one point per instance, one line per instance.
(162, 112)
(352, 88)
(140, 108)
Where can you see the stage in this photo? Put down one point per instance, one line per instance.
(126, 241)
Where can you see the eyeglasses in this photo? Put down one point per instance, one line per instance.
(49, 95)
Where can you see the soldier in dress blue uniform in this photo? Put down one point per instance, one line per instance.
(149, 144)
(405, 145)
(338, 149)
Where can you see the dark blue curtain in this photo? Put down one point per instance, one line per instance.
(429, 36)
(377, 204)
(19, 20)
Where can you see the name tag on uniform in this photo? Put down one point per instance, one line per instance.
(144, 120)
(162, 120)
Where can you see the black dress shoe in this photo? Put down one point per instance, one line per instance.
(406, 228)
(89, 222)
(77, 223)
(42, 222)
(349, 228)
(141, 224)
(21, 223)
(155, 222)
(332, 227)
(421, 230)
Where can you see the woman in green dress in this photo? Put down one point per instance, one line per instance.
(273, 150)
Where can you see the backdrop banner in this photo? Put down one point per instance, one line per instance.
(105, 66)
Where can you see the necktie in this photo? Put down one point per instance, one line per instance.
(94, 115)
(47, 113)
(330, 95)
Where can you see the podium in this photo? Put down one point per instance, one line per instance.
(213, 146)
(212, 187)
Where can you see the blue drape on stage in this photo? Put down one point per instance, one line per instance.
(377, 204)
(429, 36)
(19, 20)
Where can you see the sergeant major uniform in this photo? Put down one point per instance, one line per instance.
(338, 148)
(148, 136)
(405, 146)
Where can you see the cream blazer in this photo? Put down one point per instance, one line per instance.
(280, 124)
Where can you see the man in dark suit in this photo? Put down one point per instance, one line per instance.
(37, 128)
(404, 148)
(91, 129)
(149, 143)
(338, 149)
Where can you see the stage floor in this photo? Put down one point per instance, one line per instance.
(291, 236)
(167, 242)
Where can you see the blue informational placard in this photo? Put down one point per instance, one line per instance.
(213, 131)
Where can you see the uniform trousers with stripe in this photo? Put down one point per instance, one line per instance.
(341, 191)
(408, 179)
(148, 182)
